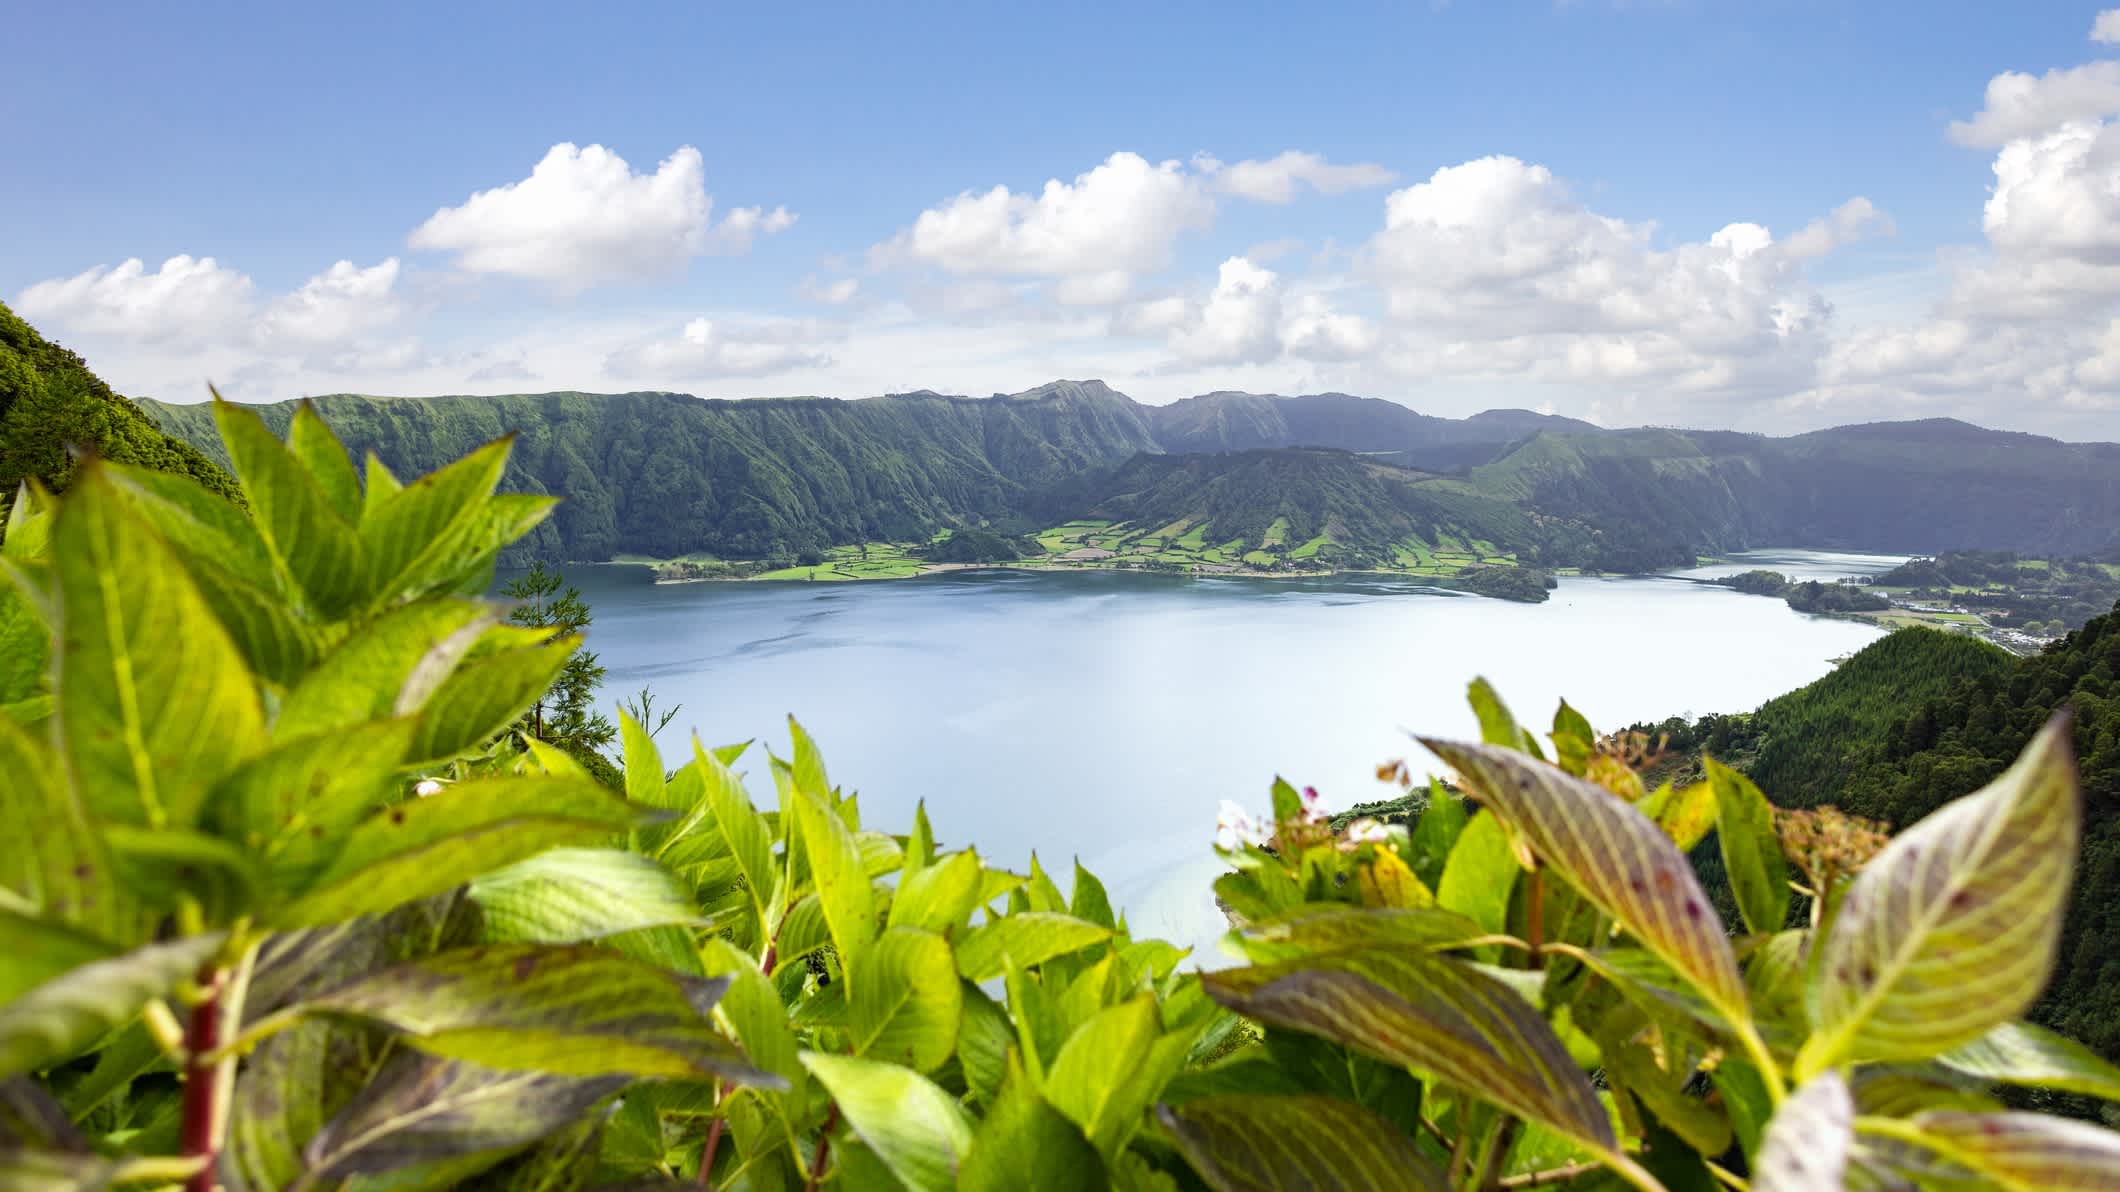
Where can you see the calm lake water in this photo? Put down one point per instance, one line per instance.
(1105, 716)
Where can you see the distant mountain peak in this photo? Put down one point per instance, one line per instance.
(1091, 389)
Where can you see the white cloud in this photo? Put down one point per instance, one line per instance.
(709, 349)
(1315, 331)
(1852, 221)
(186, 297)
(1239, 323)
(584, 217)
(1109, 224)
(337, 305)
(838, 292)
(2105, 28)
(1278, 179)
(2022, 105)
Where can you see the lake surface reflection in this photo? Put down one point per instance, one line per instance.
(1105, 715)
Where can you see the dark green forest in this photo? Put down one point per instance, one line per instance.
(50, 402)
(2037, 595)
(1921, 717)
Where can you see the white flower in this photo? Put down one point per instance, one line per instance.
(1234, 828)
(1363, 831)
(427, 787)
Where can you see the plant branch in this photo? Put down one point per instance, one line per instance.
(1552, 1175)
(706, 1154)
(261, 1030)
(1535, 919)
(1728, 1177)
(824, 1142)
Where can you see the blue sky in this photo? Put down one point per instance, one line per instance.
(1757, 215)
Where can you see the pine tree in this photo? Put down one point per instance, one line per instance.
(566, 715)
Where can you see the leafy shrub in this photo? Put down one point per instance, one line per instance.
(288, 902)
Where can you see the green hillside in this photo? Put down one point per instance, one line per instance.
(1920, 718)
(49, 401)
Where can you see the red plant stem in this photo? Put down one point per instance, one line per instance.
(201, 1131)
(706, 1157)
(824, 1141)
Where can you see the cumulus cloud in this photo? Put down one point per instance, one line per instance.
(342, 303)
(187, 297)
(584, 217)
(2105, 28)
(2022, 105)
(1494, 268)
(1096, 232)
(1278, 179)
(1239, 323)
(838, 292)
(1314, 330)
(709, 349)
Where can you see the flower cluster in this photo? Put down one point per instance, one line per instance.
(1826, 845)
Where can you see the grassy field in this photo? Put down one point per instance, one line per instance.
(872, 560)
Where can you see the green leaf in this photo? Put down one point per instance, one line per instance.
(755, 1013)
(1806, 1143)
(427, 846)
(1256, 1143)
(61, 869)
(842, 884)
(1685, 813)
(985, 1037)
(1090, 901)
(1744, 824)
(570, 1011)
(1029, 939)
(296, 802)
(56, 1019)
(385, 670)
(1631, 1066)
(644, 768)
(910, 1001)
(326, 461)
(1479, 875)
(1025, 1145)
(1322, 928)
(1433, 1014)
(1436, 834)
(1952, 929)
(2033, 1152)
(308, 538)
(154, 701)
(571, 895)
(1613, 855)
(939, 896)
(485, 695)
(915, 1128)
(1089, 1080)
(420, 1108)
(920, 845)
(1573, 739)
(25, 1169)
(1498, 726)
(413, 532)
(35, 950)
(741, 829)
(2020, 1053)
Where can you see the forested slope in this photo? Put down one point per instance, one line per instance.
(49, 402)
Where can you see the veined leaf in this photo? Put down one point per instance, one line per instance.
(1630, 1066)
(56, 1019)
(920, 844)
(485, 695)
(56, 862)
(754, 1011)
(154, 701)
(1025, 1145)
(1481, 871)
(915, 1128)
(909, 1006)
(938, 895)
(28, 1169)
(1744, 825)
(1685, 813)
(326, 461)
(1255, 1143)
(1089, 1080)
(985, 1038)
(1436, 834)
(34, 950)
(308, 538)
(1498, 726)
(1614, 856)
(2020, 1053)
(1952, 929)
(427, 846)
(296, 802)
(842, 884)
(1806, 1143)
(1029, 938)
(570, 895)
(1323, 928)
(1430, 1013)
(366, 677)
(2025, 1152)
(1090, 900)
(743, 830)
(1387, 881)
(425, 524)
(570, 1011)
(420, 1108)
(644, 767)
